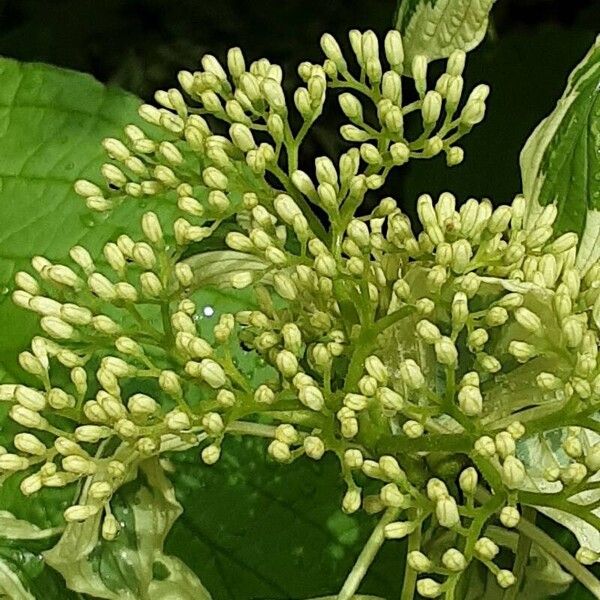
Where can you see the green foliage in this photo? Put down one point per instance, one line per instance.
(560, 162)
(256, 529)
(250, 528)
(51, 124)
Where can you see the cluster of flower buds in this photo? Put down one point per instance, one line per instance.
(386, 346)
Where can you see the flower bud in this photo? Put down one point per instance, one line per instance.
(314, 447)
(505, 578)
(80, 512)
(454, 560)
(418, 562)
(391, 496)
(177, 420)
(509, 517)
(279, 451)
(411, 374)
(287, 363)
(486, 548)
(587, 556)
(210, 454)
(485, 446)
(311, 397)
(413, 429)
(513, 472)
(110, 528)
(429, 588)
(398, 530)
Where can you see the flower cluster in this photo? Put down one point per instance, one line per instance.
(422, 359)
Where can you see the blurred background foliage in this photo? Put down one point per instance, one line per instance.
(531, 47)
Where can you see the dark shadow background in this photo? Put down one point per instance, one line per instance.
(531, 47)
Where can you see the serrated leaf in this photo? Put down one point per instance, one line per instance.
(125, 569)
(51, 124)
(560, 163)
(435, 28)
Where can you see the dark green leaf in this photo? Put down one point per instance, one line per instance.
(258, 530)
(560, 162)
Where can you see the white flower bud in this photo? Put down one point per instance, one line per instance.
(436, 489)
(429, 588)
(468, 480)
(351, 501)
(413, 429)
(470, 400)
(391, 496)
(30, 398)
(587, 556)
(110, 528)
(314, 447)
(79, 465)
(505, 444)
(418, 562)
(29, 444)
(485, 446)
(142, 405)
(169, 382)
(428, 332)
(513, 472)
(81, 512)
(454, 560)
(100, 490)
(368, 385)
(486, 548)
(446, 352)
(311, 397)
(32, 484)
(400, 153)
(177, 420)
(353, 458)
(398, 530)
(505, 578)
(411, 374)
(509, 516)
(92, 433)
(376, 369)
(13, 462)
(211, 454)
(279, 451)
(431, 108)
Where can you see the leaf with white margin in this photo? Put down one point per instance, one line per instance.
(124, 568)
(560, 162)
(435, 28)
(11, 586)
(18, 529)
(537, 456)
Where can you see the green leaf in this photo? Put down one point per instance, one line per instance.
(134, 565)
(560, 162)
(435, 28)
(257, 530)
(51, 124)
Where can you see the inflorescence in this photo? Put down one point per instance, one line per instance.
(422, 360)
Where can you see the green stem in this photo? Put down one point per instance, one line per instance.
(521, 557)
(410, 575)
(554, 549)
(367, 556)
